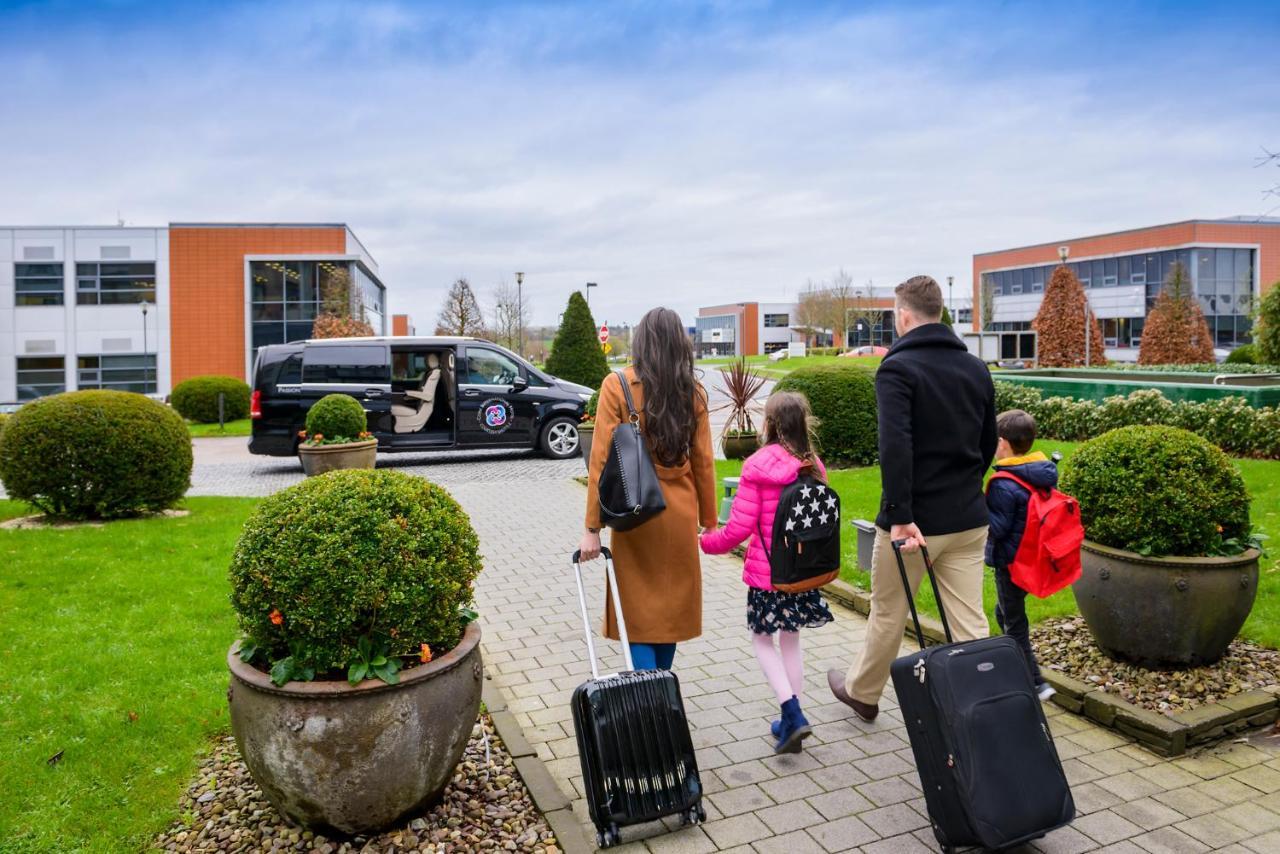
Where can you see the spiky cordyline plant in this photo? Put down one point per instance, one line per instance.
(741, 385)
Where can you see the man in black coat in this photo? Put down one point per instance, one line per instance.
(937, 424)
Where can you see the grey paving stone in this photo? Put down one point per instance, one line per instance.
(791, 788)
(904, 844)
(893, 820)
(733, 802)
(890, 791)
(1106, 827)
(840, 803)
(1213, 830)
(1170, 840)
(796, 842)
(1149, 813)
(842, 834)
(1064, 840)
(787, 817)
(738, 830)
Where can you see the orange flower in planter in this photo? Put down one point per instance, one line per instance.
(426, 653)
(302, 434)
(276, 617)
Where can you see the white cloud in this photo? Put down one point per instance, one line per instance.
(702, 164)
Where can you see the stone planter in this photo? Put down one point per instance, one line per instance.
(586, 433)
(354, 759)
(318, 459)
(739, 446)
(1165, 611)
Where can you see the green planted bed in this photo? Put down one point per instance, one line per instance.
(1096, 385)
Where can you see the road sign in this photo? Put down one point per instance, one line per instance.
(604, 334)
(607, 347)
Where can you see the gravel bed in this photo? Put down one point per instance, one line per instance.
(1066, 646)
(485, 808)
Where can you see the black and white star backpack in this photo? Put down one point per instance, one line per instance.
(806, 535)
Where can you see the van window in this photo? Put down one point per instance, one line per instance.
(345, 363)
(489, 367)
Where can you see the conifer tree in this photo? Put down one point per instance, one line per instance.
(576, 355)
(1266, 333)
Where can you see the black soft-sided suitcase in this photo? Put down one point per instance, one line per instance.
(633, 738)
(990, 773)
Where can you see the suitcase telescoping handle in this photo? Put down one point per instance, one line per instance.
(617, 610)
(911, 600)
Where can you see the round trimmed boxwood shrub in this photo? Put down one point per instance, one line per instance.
(843, 399)
(1245, 354)
(1159, 491)
(96, 455)
(357, 554)
(336, 416)
(196, 399)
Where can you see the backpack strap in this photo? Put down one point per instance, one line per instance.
(1004, 475)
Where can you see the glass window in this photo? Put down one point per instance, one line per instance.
(1137, 270)
(41, 375)
(409, 367)
(1123, 276)
(37, 284)
(489, 367)
(1225, 329)
(1096, 273)
(1204, 271)
(1037, 279)
(1109, 275)
(777, 321)
(121, 373)
(286, 296)
(1016, 286)
(345, 363)
(115, 284)
(1223, 264)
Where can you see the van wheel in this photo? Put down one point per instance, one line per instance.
(560, 438)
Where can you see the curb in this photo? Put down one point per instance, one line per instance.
(556, 807)
(1161, 734)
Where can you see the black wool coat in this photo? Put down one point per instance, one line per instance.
(937, 421)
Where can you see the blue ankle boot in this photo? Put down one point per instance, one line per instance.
(792, 729)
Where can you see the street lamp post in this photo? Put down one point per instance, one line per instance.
(590, 285)
(520, 311)
(146, 371)
(951, 300)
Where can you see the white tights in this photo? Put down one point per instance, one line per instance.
(782, 664)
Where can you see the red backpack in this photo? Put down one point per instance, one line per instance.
(1048, 557)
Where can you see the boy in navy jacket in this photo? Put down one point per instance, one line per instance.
(1007, 505)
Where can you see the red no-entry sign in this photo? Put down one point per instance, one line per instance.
(604, 334)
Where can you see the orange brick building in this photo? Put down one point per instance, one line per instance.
(1231, 262)
(142, 309)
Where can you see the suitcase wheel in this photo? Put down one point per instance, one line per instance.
(608, 837)
(693, 815)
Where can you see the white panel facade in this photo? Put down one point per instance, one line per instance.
(71, 331)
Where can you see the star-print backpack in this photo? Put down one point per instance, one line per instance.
(806, 535)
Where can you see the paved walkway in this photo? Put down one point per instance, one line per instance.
(855, 787)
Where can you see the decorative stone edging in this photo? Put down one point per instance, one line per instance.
(1161, 734)
(556, 807)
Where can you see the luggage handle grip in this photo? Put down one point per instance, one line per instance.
(617, 609)
(911, 601)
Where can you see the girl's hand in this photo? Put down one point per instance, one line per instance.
(589, 546)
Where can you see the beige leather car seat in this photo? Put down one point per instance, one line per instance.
(411, 418)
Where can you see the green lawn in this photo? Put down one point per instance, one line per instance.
(242, 427)
(859, 490)
(112, 647)
(786, 366)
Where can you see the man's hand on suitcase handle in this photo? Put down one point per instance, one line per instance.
(908, 537)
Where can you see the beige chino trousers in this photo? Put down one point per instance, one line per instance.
(957, 563)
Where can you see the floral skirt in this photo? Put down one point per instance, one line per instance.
(769, 611)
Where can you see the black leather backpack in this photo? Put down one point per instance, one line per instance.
(629, 490)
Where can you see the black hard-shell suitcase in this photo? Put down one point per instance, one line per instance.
(633, 739)
(990, 773)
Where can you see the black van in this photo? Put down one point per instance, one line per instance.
(420, 394)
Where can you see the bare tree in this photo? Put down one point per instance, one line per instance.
(1268, 158)
(461, 313)
(841, 297)
(510, 315)
(812, 310)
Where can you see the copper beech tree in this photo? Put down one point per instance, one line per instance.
(341, 311)
(1176, 332)
(1060, 324)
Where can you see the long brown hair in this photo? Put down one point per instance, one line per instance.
(788, 422)
(664, 363)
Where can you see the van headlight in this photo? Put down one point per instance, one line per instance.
(585, 396)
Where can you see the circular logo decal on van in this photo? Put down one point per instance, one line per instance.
(494, 415)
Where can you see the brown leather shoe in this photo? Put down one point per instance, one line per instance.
(866, 711)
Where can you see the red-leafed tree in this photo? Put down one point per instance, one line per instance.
(1176, 332)
(1060, 324)
(341, 312)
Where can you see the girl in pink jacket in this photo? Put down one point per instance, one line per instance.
(787, 448)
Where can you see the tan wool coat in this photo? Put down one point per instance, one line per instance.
(657, 563)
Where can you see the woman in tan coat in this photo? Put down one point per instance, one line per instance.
(657, 563)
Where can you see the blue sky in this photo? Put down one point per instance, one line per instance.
(683, 153)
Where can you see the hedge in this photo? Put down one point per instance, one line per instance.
(1159, 491)
(96, 455)
(843, 400)
(1201, 368)
(1229, 422)
(196, 399)
(1245, 354)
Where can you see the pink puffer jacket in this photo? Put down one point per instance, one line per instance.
(764, 475)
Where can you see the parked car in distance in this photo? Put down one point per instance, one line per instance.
(419, 394)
